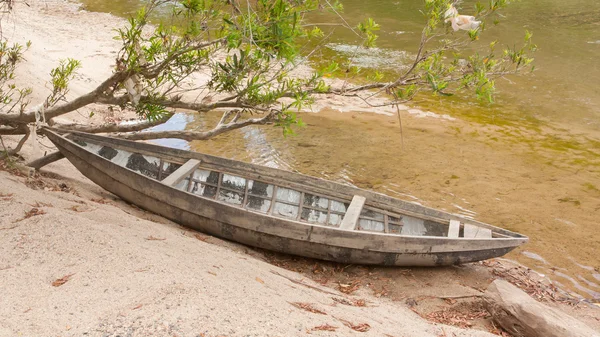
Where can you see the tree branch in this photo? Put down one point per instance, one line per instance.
(8, 131)
(21, 142)
(45, 160)
(113, 127)
(79, 102)
(196, 135)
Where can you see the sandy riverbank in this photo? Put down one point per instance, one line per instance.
(75, 260)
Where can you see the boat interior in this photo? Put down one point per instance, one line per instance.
(278, 200)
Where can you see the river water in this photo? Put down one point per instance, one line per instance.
(530, 162)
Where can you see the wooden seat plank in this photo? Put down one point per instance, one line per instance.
(472, 231)
(353, 213)
(454, 229)
(182, 172)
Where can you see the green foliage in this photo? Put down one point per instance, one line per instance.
(61, 76)
(368, 28)
(469, 66)
(11, 97)
(151, 111)
(406, 93)
(249, 51)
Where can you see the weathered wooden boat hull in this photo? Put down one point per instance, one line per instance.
(272, 233)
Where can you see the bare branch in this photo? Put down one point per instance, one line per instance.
(79, 102)
(8, 131)
(196, 135)
(113, 127)
(21, 142)
(45, 160)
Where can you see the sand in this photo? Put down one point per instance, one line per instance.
(75, 260)
(133, 273)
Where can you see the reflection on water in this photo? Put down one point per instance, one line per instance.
(177, 123)
(574, 283)
(534, 256)
(465, 212)
(375, 58)
(261, 151)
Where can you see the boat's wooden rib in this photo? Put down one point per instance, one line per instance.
(454, 229)
(281, 211)
(353, 213)
(183, 171)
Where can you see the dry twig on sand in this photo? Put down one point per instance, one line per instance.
(59, 282)
(324, 327)
(307, 307)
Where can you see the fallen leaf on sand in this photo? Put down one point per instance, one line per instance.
(308, 307)
(450, 301)
(77, 208)
(359, 303)
(360, 327)
(259, 280)
(102, 201)
(32, 212)
(6, 197)
(210, 272)
(451, 316)
(349, 288)
(41, 204)
(324, 327)
(351, 302)
(59, 282)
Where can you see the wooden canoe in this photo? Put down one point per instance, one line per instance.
(280, 210)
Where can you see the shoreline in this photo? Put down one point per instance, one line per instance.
(128, 267)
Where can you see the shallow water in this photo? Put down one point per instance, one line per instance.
(543, 184)
(563, 88)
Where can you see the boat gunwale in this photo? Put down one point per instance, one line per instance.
(321, 235)
(181, 156)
